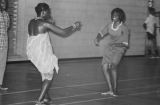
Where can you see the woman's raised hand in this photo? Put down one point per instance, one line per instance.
(77, 26)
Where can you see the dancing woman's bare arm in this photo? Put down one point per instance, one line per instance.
(62, 32)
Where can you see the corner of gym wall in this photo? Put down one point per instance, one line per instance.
(93, 14)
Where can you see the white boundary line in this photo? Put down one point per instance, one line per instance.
(58, 98)
(79, 85)
(76, 102)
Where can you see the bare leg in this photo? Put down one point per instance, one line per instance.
(150, 47)
(44, 90)
(154, 46)
(106, 68)
(114, 78)
(47, 98)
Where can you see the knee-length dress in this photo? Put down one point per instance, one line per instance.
(4, 25)
(40, 53)
(111, 53)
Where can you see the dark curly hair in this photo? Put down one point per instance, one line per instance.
(121, 14)
(41, 7)
(151, 10)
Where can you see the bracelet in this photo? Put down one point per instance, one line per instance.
(74, 26)
(101, 33)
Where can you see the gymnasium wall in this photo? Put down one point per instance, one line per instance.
(93, 14)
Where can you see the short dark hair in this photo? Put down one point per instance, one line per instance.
(41, 7)
(121, 14)
(151, 10)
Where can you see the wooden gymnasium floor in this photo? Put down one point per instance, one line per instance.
(80, 82)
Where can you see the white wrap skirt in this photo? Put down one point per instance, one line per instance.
(40, 53)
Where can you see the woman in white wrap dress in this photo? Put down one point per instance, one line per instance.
(39, 49)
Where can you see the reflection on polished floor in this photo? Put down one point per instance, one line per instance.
(80, 82)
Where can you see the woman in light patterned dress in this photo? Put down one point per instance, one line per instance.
(117, 35)
(4, 25)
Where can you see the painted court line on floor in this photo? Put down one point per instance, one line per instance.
(79, 85)
(97, 99)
